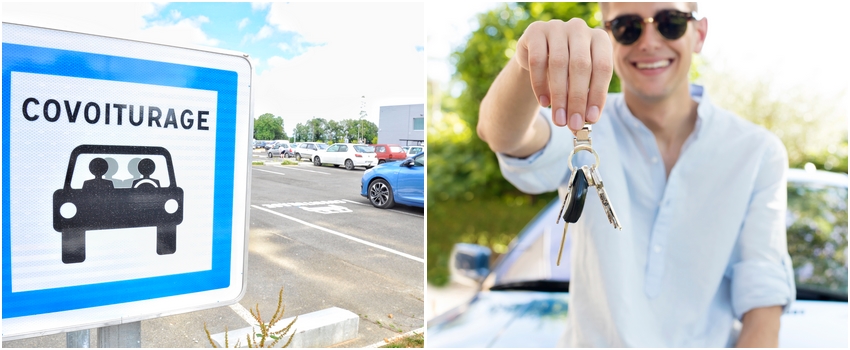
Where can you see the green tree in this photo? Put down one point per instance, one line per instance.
(269, 127)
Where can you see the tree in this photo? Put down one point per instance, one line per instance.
(269, 127)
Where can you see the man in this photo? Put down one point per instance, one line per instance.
(700, 192)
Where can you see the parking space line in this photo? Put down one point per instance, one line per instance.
(393, 210)
(355, 239)
(273, 172)
(309, 171)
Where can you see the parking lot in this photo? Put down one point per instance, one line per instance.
(314, 235)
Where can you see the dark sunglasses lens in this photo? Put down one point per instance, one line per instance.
(627, 29)
(672, 24)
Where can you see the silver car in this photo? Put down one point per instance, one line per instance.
(306, 150)
(523, 302)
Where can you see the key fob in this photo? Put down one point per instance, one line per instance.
(578, 193)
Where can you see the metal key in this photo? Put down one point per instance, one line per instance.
(580, 179)
(603, 197)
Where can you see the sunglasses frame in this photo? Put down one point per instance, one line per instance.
(689, 16)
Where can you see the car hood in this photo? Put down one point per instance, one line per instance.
(495, 319)
(502, 319)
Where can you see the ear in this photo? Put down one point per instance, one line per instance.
(701, 28)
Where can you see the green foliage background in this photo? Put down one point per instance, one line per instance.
(269, 127)
(469, 200)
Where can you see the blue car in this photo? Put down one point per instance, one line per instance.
(523, 301)
(396, 183)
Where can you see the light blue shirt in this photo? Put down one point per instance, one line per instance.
(697, 250)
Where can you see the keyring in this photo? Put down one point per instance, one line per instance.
(581, 148)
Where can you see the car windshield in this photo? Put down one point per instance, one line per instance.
(122, 170)
(321, 145)
(364, 149)
(816, 233)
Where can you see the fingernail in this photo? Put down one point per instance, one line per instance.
(593, 114)
(561, 117)
(575, 122)
(544, 101)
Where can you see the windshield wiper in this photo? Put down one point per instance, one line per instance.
(536, 286)
(804, 293)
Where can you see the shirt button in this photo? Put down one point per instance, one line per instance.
(657, 248)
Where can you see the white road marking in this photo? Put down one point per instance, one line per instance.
(273, 172)
(355, 239)
(393, 210)
(243, 313)
(290, 167)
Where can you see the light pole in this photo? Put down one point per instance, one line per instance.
(360, 119)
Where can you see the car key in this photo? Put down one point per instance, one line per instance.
(577, 188)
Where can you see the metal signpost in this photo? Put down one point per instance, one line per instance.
(125, 182)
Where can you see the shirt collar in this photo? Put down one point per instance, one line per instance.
(705, 109)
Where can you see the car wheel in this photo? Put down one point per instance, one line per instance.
(317, 161)
(381, 194)
(286, 155)
(381, 161)
(166, 240)
(349, 164)
(270, 155)
(298, 156)
(73, 246)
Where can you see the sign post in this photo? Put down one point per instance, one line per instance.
(125, 180)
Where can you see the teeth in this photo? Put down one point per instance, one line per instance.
(653, 65)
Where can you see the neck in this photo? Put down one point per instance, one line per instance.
(670, 118)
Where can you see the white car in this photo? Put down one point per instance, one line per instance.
(349, 154)
(413, 150)
(523, 301)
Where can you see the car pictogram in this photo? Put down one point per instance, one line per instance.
(115, 187)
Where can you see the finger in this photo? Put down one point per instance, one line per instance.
(538, 52)
(579, 78)
(559, 58)
(603, 69)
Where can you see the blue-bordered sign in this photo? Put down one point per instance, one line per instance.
(124, 169)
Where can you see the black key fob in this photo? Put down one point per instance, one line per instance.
(575, 201)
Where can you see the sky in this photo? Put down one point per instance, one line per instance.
(310, 60)
(797, 47)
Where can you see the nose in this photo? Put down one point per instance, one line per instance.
(650, 38)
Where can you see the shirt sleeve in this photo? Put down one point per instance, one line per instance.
(544, 170)
(764, 276)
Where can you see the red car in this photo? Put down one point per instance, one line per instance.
(389, 153)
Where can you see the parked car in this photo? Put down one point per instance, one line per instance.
(389, 153)
(396, 183)
(279, 149)
(523, 300)
(413, 150)
(306, 150)
(349, 154)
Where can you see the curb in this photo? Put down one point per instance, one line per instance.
(384, 342)
(319, 329)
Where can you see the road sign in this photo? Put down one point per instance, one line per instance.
(125, 180)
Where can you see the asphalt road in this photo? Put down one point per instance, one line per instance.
(314, 235)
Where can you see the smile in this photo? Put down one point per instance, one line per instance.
(653, 65)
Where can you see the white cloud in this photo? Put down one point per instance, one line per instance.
(244, 22)
(126, 20)
(256, 6)
(175, 14)
(264, 32)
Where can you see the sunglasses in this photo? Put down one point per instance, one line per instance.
(671, 24)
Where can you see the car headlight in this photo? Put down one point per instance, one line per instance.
(68, 210)
(171, 206)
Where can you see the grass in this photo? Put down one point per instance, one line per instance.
(258, 163)
(492, 223)
(288, 162)
(417, 340)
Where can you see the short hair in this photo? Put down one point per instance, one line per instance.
(603, 6)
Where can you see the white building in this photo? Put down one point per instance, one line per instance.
(403, 125)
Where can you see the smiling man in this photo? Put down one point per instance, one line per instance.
(699, 191)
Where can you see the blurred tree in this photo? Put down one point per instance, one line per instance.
(811, 126)
(302, 132)
(335, 130)
(269, 127)
(461, 165)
